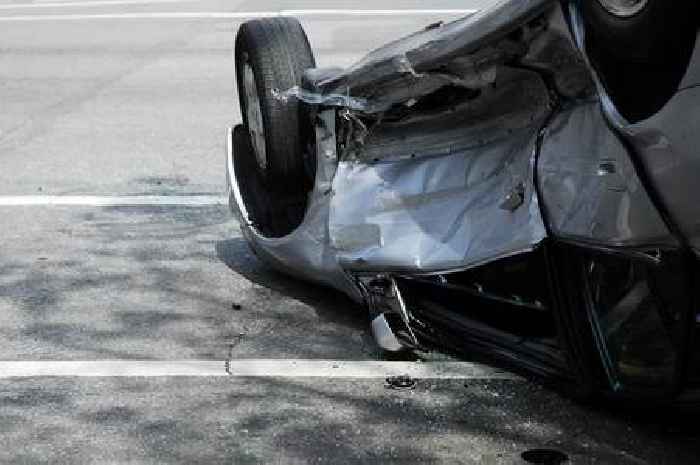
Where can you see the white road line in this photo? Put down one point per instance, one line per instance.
(62, 4)
(363, 369)
(405, 12)
(114, 368)
(230, 15)
(112, 200)
(160, 15)
(260, 368)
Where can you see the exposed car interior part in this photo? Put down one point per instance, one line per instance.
(454, 118)
(639, 311)
(504, 305)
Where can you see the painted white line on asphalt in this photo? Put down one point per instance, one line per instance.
(230, 15)
(92, 3)
(112, 368)
(159, 15)
(253, 368)
(406, 12)
(363, 369)
(111, 200)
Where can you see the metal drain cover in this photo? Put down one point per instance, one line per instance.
(403, 382)
(544, 457)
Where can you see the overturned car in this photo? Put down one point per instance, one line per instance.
(519, 184)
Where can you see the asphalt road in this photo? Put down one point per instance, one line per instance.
(132, 97)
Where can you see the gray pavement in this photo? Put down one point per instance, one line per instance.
(116, 106)
(157, 283)
(297, 421)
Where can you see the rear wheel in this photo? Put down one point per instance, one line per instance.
(272, 55)
(641, 49)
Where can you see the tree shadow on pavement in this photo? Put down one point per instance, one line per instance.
(329, 304)
(160, 283)
(294, 420)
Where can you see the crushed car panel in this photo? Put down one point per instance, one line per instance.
(426, 51)
(590, 188)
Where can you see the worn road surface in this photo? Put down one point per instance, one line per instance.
(104, 100)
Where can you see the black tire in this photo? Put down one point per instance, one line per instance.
(642, 58)
(278, 52)
(652, 35)
(273, 214)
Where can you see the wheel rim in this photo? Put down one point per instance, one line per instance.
(254, 117)
(624, 8)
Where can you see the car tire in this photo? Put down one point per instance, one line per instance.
(641, 54)
(271, 55)
(271, 213)
(647, 35)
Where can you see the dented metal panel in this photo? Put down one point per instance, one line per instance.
(589, 186)
(448, 191)
(464, 53)
(423, 51)
(437, 213)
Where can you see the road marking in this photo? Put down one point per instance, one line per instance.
(254, 368)
(112, 200)
(112, 368)
(363, 369)
(62, 4)
(406, 12)
(231, 15)
(161, 15)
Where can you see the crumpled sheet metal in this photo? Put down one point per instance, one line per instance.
(427, 49)
(519, 100)
(438, 213)
(401, 91)
(589, 187)
(447, 191)
(465, 53)
(463, 72)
